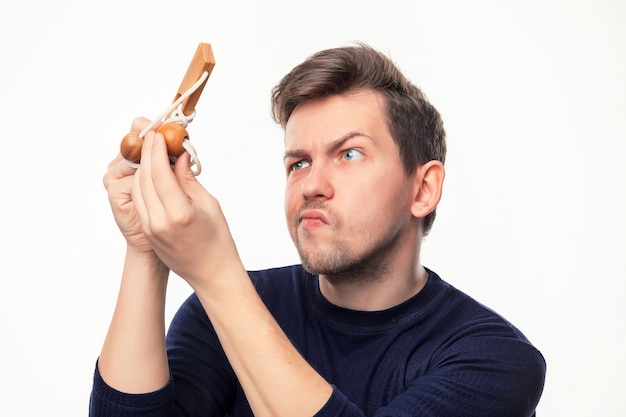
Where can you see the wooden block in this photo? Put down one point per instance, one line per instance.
(202, 61)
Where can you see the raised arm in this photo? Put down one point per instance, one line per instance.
(133, 357)
(188, 231)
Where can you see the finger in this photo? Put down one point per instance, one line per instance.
(139, 124)
(182, 168)
(117, 169)
(139, 204)
(115, 160)
(166, 184)
(188, 181)
(121, 167)
(146, 187)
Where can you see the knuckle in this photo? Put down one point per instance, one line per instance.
(181, 219)
(139, 123)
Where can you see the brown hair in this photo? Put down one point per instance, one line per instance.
(413, 122)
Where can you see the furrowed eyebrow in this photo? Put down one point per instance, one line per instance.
(332, 146)
(343, 139)
(295, 154)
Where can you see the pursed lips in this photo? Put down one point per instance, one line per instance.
(312, 218)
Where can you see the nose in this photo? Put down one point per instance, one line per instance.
(317, 184)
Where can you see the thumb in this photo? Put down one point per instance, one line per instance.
(182, 167)
(186, 178)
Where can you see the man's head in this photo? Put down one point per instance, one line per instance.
(413, 122)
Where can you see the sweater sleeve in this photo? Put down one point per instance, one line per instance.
(201, 379)
(107, 401)
(338, 405)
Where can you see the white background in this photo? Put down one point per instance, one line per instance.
(532, 218)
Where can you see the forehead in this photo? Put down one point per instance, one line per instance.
(326, 119)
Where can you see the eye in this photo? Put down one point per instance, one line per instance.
(298, 165)
(352, 154)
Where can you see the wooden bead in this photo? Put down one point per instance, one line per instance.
(174, 135)
(130, 148)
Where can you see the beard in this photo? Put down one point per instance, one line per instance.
(362, 261)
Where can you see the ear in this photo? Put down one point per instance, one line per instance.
(428, 185)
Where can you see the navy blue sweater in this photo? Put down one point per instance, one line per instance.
(440, 353)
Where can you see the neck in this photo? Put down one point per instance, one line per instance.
(373, 295)
(383, 279)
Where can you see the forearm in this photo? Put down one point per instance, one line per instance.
(133, 358)
(275, 377)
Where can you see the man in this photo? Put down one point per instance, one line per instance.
(361, 328)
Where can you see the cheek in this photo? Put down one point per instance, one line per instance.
(389, 196)
(291, 202)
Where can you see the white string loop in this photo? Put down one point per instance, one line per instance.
(177, 105)
(195, 162)
(175, 110)
(179, 117)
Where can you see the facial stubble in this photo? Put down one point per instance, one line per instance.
(341, 261)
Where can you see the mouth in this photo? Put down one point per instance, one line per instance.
(310, 219)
